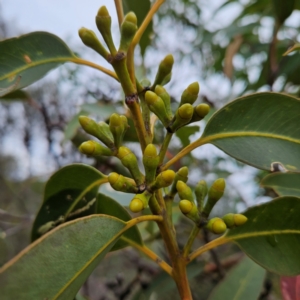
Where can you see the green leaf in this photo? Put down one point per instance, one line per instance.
(184, 134)
(259, 130)
(56, 266)
(243, 282)
(28, 58)
(16, 95)
(284, 184)
(61, 191)
(108, 206)
(271, 236)
(141, 9)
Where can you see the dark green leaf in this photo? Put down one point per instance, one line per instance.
(56, 266)
(259, 129)
(243, 282)
(28, 58)
(108, 206)
(141, 9)
(16, 95)
(60, 192)
(184, 134)
(284, 184)
(271, 236)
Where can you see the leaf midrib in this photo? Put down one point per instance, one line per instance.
(261, 233)
(34, 64)
(243, 285)
(210, 138)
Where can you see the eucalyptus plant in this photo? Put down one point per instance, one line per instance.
(77, 225)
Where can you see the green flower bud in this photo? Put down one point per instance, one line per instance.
(201, 192)
(182, 117)
(150, 161)
(182, 174)
(128, 30)
(136, 205)
(145, 83)
(229, 220)
(189, 209)
(162, 93)
(117, 128)
(139, 202)
(200, 111)
(216, 225)
(239, 219)
(90, 39)
(164, 69)
(190, 94)
(163, 179)
(121, 183)
(184, 191)
(215, 192)
(167, 79)
(92, 148)
(157, 106)
(99, 130)
(129, 160)
(103, 22)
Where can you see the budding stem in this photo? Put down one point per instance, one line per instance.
(164, 147)
(138, 35)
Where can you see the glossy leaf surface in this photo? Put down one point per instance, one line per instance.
(271, 230)
(243, 282)
(61, 190)
(56, 266)
(28, 58)
(259, 130)
(108, 206)
(284, 184)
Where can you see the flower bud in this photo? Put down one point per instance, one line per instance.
(99, 130)
(200, 111)
(182, 117)
(150, 161)
(121, 183)
(216, 225)
(190, 94)
(90, 39)
(229, 220)
(136, 205)
(162, 93)
(201, 192)
(215, 192)
(189, 209)
(182, 174)
(128, 30)
(117, 128)
(92, 148)
(184, 191)
(139, 202)
(163, 179)
(167, 79)
(239, 219)
(129, 160)
(103, 22)
(164, 69)
(157, 106)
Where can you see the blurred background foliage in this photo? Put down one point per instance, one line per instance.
(232, 48)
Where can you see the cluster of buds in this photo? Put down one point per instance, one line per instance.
(200, 212)
(159, 101)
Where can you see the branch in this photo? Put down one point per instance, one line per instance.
(166, 267)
